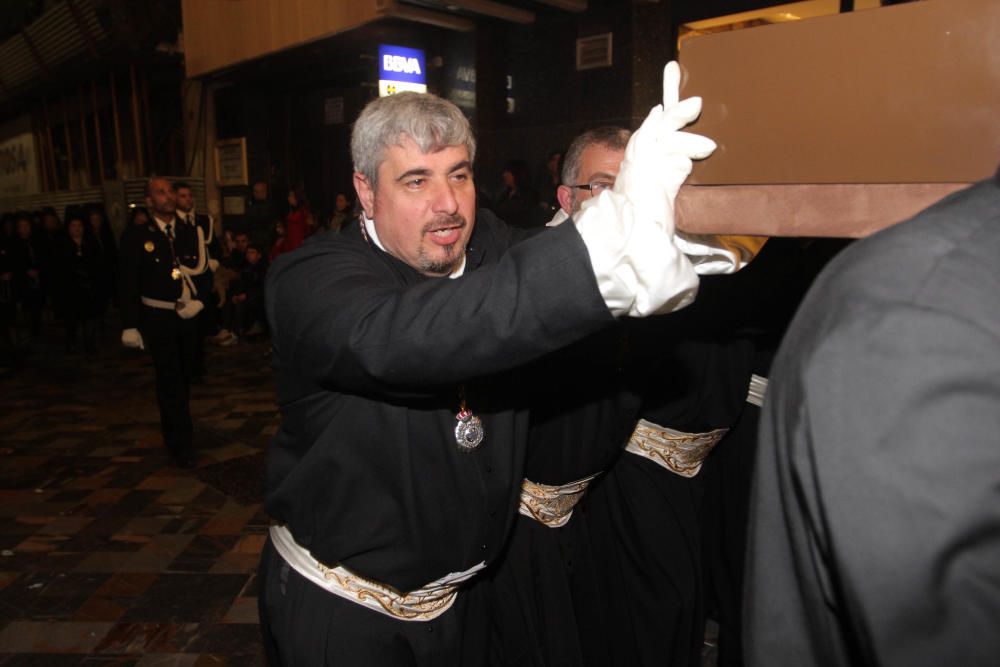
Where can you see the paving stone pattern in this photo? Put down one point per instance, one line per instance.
(109, 554)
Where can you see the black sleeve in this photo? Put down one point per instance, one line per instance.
(339, 321)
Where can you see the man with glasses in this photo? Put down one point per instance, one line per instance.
(619, 583)
(591, 167)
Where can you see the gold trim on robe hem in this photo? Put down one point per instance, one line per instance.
(679, 452)
(552, 505)
(423, 604)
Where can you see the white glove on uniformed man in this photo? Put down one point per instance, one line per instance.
(189, 309)
(629, 231)
(132, 338)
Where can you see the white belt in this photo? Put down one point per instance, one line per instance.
(757, 390)
(157, 303)
(678, 452)
(552, 505)
(423, 604)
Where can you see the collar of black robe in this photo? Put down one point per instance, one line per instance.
(475, 253)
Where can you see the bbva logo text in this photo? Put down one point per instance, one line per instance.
(400, 64)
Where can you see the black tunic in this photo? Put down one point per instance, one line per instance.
(78, 279)
(546, 585)
(371, 359)
(691, 369)
(771, 289)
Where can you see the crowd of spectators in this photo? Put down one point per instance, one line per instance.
(68, 272)
(64, 269)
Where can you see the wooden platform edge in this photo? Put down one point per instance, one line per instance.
(816, 210)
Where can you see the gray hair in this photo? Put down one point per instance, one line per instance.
(614, 138)
(431, 122)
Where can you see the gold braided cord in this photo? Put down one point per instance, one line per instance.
(408, 606)
(552, 505)
(681, 453)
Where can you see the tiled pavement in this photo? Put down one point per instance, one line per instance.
(109, 555)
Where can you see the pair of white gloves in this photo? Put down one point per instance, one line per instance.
(188, 309)
(642, 267)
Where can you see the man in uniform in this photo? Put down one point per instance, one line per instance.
(158, 304)
(203, 274)
(400, 347)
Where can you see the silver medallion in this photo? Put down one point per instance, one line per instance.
(468, 430)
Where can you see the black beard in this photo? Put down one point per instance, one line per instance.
(445, 266)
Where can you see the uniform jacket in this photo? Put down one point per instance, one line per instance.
(146, 263)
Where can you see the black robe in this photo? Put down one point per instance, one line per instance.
(770, 290)
(691, 370)
(371, 360)
(548, 607)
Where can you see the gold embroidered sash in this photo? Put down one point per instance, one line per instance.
(678, 452)
(552, 505)
(423, 604)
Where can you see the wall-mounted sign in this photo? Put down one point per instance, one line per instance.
(231, 161)
(18, 164)
(234, 205)
(463, 86)
(401, 68)
(333, 110)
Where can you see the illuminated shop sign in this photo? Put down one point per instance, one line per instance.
(401, 68)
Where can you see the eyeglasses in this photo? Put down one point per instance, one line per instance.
(596, 188)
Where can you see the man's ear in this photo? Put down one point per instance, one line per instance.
(564, 194)
(366, 194)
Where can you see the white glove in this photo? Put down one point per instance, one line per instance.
(189, 309)
(132, 338)
(658, 156)
(719, 253)
(213, 265)
(629, 232)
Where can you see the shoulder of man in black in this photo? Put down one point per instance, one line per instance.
(341, 303)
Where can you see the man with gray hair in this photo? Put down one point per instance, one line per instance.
(400, 347)
(590, 167)
(619, 583)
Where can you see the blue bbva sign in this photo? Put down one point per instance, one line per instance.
(399, 63)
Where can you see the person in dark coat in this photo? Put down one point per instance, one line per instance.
(548, 611)
(875, 531)
(25, 260)
(517, 204)
(100, 232)
(77, 284)
(208, 253)
(258, 223)
(621, 587)
(8, 302)
(246, 295)
(51, 238)
(399, 346)
(769, 291)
